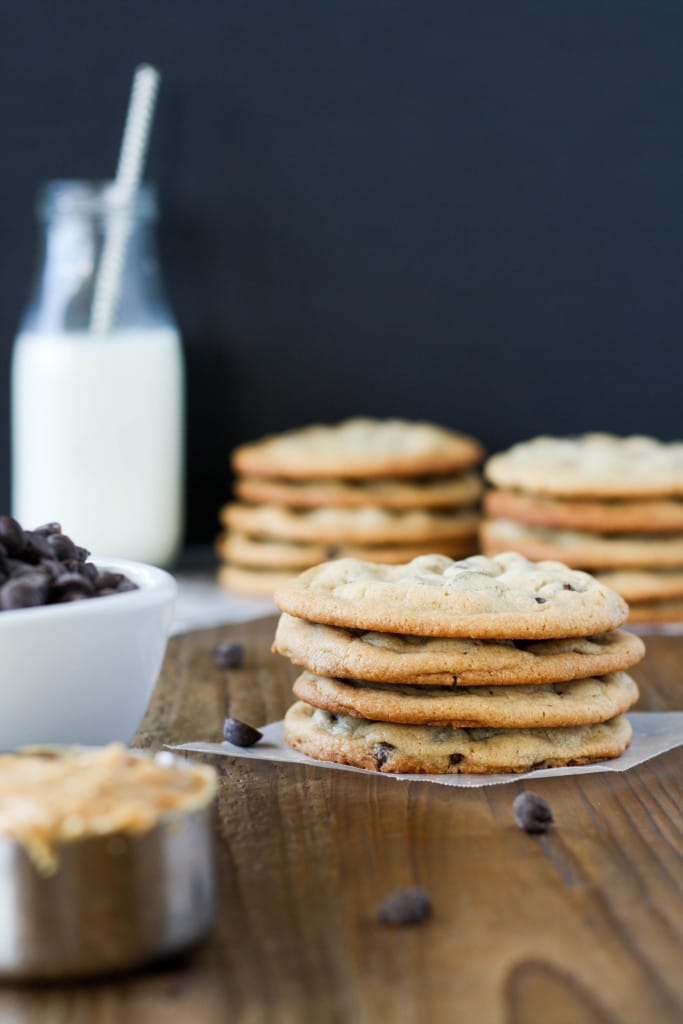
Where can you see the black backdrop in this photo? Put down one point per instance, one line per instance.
(470, 212)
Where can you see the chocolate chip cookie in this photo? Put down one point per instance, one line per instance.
(360, 447)
(545, 705)
(591, 466)
(389, 747)
(442, 661)
(504, 597)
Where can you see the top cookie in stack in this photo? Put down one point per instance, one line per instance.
(613, 505)
(482, 665)
(386, 490)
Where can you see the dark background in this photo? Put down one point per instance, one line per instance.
(469, 212)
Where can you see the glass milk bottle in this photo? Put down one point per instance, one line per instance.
(97, 415)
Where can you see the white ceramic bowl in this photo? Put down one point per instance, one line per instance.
(83, 671)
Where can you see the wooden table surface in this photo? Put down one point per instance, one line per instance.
(580, 925)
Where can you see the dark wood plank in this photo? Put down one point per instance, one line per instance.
(581, 925)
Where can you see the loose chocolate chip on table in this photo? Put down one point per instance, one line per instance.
(229, 655)
(406, 906)
(532, 813)
(239, 733)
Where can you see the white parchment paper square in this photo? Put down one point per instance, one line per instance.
(654, 733)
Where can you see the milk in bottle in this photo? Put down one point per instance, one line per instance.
(97, 416)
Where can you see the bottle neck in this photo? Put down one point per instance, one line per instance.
(77, 223)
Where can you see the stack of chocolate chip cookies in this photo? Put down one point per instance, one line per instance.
(479, 666)
(611, 505)
(385, 490)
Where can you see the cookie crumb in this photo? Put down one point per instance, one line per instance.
(239, 733)
(532, 813)
(405, 906)
(230, 655)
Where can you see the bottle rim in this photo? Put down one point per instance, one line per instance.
(94, 198)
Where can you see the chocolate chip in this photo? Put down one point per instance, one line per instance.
(406, 906)
(540, 600)
(11, 535)
(26, 591)
(332, 552)
(125, 585)
(15, 568)
(89, 570)
(48, 529)
(108, 580)
(456, 758)
(50, 566)
(229, 655)
(70, 586)
(62, 547)
(239, 733)
(382, 752)
(567, 586)
(532, 813)
(35, 547)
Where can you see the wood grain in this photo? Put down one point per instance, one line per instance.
(580, 926)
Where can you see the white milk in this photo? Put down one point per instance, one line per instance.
(98, 438)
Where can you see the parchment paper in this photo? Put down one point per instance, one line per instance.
(654, 733)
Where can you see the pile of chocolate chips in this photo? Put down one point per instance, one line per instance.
(44, 566)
